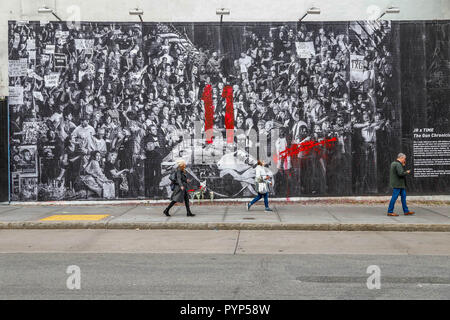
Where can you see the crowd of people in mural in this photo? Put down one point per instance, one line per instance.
(97, 108)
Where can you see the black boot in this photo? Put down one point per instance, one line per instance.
(186, 203)
(166, 212)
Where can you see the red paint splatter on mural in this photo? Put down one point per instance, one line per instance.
(209, 112)
(229, 113)
(306, 147)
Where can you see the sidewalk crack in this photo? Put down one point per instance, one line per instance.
(10, 210)
(126, 211)
(334, 217)
(278, 215)
(439, 214)
(237, 242)
(225, 214)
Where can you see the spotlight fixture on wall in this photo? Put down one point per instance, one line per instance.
(137, 12)
(312, 10)
(221, 12)
(45, 9)
(391, 9)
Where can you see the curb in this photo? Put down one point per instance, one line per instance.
(405, 227)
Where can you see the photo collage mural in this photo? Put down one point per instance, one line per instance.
(103, 110)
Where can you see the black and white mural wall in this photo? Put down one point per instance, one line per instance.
(103, 110)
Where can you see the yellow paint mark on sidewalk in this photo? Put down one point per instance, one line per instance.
(71, 217)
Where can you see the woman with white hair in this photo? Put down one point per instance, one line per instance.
(179, 194)
(262, 180)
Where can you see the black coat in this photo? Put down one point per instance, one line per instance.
(181, 180)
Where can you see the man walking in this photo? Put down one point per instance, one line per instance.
(398, 183)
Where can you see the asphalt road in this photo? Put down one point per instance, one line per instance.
(218, 276)
(227, 265)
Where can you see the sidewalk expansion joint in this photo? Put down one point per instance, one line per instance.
(278, 215)
(225, 214)
(237, 242)
(126, 211)
(432, 211)
(331, 214)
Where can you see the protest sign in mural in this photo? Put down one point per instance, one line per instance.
(17, 68)
(51, 80)
(357, 68)
(305, 50)
(16, 95)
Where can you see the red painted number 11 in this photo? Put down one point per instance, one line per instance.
(207, 98)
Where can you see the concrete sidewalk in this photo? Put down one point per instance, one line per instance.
(226, 217)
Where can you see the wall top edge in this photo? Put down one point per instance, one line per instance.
(236, 22)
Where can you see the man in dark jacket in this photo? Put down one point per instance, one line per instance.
(398, 183)
(152, 170)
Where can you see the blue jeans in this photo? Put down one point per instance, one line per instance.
(395, 193)
(259, 196)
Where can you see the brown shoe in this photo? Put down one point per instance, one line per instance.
(409, 213)
(392, 214)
